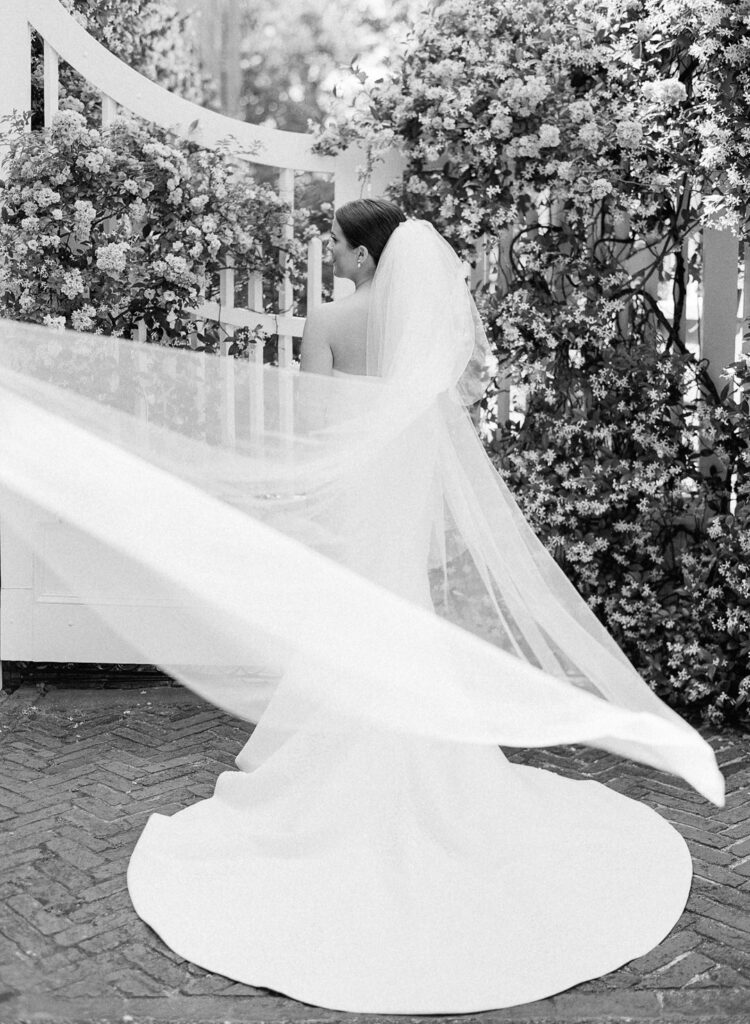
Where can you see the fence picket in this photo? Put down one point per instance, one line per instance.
(314, 273)
(285, 292)
(51, 83)
(110, 110)
(719, 312)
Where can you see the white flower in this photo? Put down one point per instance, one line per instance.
(176, 269)
(113, 258)
(44, 196)
(589, 136)
(629, 134)
(580, 110)
(549, 136)
(72, 283)
(714, 529)
(600, 188)
(57, 323)
(668, 91)
(83, 318)
(83, 216)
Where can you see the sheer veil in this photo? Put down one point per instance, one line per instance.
(284, 540)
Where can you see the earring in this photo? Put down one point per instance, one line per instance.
(359, 261)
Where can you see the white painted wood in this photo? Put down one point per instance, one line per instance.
(226, 294)
(745, 328)
(314, 273)
(40, 619)
(15, 62)
(110, 109)
(51, 83)
(720, 294)
(134, 92)
(285, 292)
(255, 292)
(239, 317)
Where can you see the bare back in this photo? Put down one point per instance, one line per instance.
(335, 335)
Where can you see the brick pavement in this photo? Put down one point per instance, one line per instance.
(82, 770)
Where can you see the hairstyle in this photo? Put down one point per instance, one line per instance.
(369, 222)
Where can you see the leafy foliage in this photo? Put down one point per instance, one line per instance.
(148, 35)
(582, 146)
(102, 229)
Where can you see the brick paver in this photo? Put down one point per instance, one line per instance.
(82, 770)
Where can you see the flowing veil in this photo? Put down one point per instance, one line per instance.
(295, 534)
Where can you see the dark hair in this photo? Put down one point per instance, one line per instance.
(369, 222)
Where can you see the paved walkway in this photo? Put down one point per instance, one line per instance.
(82, 770)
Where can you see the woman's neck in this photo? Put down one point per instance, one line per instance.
(363, 282)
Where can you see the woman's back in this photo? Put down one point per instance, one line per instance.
(335, 335)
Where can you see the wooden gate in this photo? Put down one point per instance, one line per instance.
(42, 619)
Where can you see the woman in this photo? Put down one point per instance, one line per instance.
(376, 852)
(363, 870)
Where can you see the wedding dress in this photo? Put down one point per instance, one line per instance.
(375, 851)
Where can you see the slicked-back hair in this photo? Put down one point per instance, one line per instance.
(369, 222)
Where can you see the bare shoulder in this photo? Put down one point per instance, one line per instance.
(332, 318)
(316, 354)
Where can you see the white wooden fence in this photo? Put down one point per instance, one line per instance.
(40, 619)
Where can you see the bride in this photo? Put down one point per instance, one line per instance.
(375, 851)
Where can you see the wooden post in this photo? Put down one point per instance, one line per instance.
(51, 83)
(719, 313)
(15, 62)
(109, 110)
(314, 273)
(745, 337)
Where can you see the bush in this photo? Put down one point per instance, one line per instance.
(581, 146)
(148, 35)
(102, 229)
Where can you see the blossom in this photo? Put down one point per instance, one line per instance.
(667, 91)
(83, 319)
(67, 125)
(57, 323)
(590, 136)
(549, 136)
(176, 269)
(600, 188)
(83, 216)
(45, 196)
(113, 258)
(72, 283)
(629, 134)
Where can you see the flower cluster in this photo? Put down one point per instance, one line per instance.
(580, 145)
(148, 35)
(105, 228)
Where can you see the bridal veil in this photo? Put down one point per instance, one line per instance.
(295, 526)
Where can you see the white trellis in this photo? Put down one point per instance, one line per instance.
(40, 620)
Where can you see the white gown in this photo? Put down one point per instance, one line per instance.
(375, 851)
(366, 871)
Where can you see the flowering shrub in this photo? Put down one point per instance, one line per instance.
(102, 229)
(148, 35)
(580, 145)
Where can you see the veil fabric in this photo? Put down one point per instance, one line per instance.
(281, 541)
